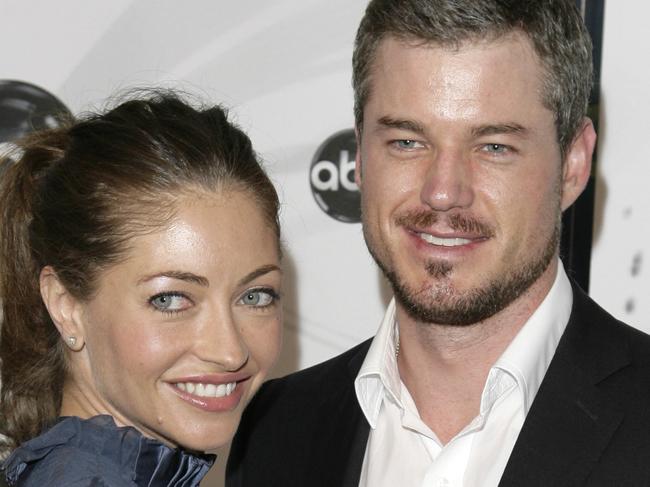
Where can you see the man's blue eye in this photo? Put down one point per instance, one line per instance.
(406, 144)
(496, 148)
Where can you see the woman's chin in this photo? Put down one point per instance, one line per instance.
(208, 439)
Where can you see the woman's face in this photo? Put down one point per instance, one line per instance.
(181, 334)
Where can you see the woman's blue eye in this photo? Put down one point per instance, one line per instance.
(258, 298)
(169, 302)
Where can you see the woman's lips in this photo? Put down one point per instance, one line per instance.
(211, 394)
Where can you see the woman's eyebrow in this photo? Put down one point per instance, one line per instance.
(258, 272)
(180, 275)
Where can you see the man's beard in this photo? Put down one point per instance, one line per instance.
(439, 305)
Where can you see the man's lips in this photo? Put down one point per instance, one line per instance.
(444, 241)
(450, 243)
(445, 230)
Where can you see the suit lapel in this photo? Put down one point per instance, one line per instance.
(356, 454)
(342, 433)
(571, 421)
(361, 430)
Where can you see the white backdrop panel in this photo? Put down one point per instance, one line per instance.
(620, 280)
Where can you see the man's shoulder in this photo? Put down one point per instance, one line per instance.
(590, 415)
(598, 326)
(605, 352)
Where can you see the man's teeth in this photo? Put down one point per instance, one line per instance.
(445, 242)
(207, 390)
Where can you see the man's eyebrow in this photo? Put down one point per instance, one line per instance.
(258, 272)
(500, 128)
(401, 124)
(180, 275)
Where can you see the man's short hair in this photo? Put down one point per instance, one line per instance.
(555, 28)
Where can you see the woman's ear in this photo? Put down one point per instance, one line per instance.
(64, 309)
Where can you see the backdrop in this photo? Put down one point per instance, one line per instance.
(283, 67)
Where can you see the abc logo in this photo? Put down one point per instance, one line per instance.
(332, 177)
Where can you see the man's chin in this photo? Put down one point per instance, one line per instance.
(442, 304)
(445, 301)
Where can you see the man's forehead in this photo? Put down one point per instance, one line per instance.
(512, 54)
(483, 82)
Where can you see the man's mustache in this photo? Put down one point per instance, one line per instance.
(467, 224)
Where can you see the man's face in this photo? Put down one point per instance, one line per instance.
(461, 176)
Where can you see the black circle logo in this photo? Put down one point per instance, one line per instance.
(25, 107)
(331, 177)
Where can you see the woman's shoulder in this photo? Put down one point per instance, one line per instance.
(65, 455)
(95, 452)
(66, 466)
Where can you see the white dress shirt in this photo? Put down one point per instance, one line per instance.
(403, 451)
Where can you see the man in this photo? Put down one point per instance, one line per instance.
(491, 367)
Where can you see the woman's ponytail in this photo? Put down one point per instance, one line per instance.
(32, 366)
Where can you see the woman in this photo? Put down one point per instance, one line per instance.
(140, 282)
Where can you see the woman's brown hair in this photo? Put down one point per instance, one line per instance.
(73, 199)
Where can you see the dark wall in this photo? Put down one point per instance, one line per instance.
(578, 221)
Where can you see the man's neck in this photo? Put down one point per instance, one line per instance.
(445, 367)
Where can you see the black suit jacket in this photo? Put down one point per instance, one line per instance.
(589, 424)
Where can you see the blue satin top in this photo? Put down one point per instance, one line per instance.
(96, 453)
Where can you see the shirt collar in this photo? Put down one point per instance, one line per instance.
(529, 354)
(379, 375)
(526, 359)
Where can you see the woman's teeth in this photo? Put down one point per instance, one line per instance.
(207, 390)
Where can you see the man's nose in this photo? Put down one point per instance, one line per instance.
(448, 181)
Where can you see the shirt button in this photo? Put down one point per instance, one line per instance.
(443, 482)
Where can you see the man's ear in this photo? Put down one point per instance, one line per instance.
(64, 308)
(577, 163)
(357, 158)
